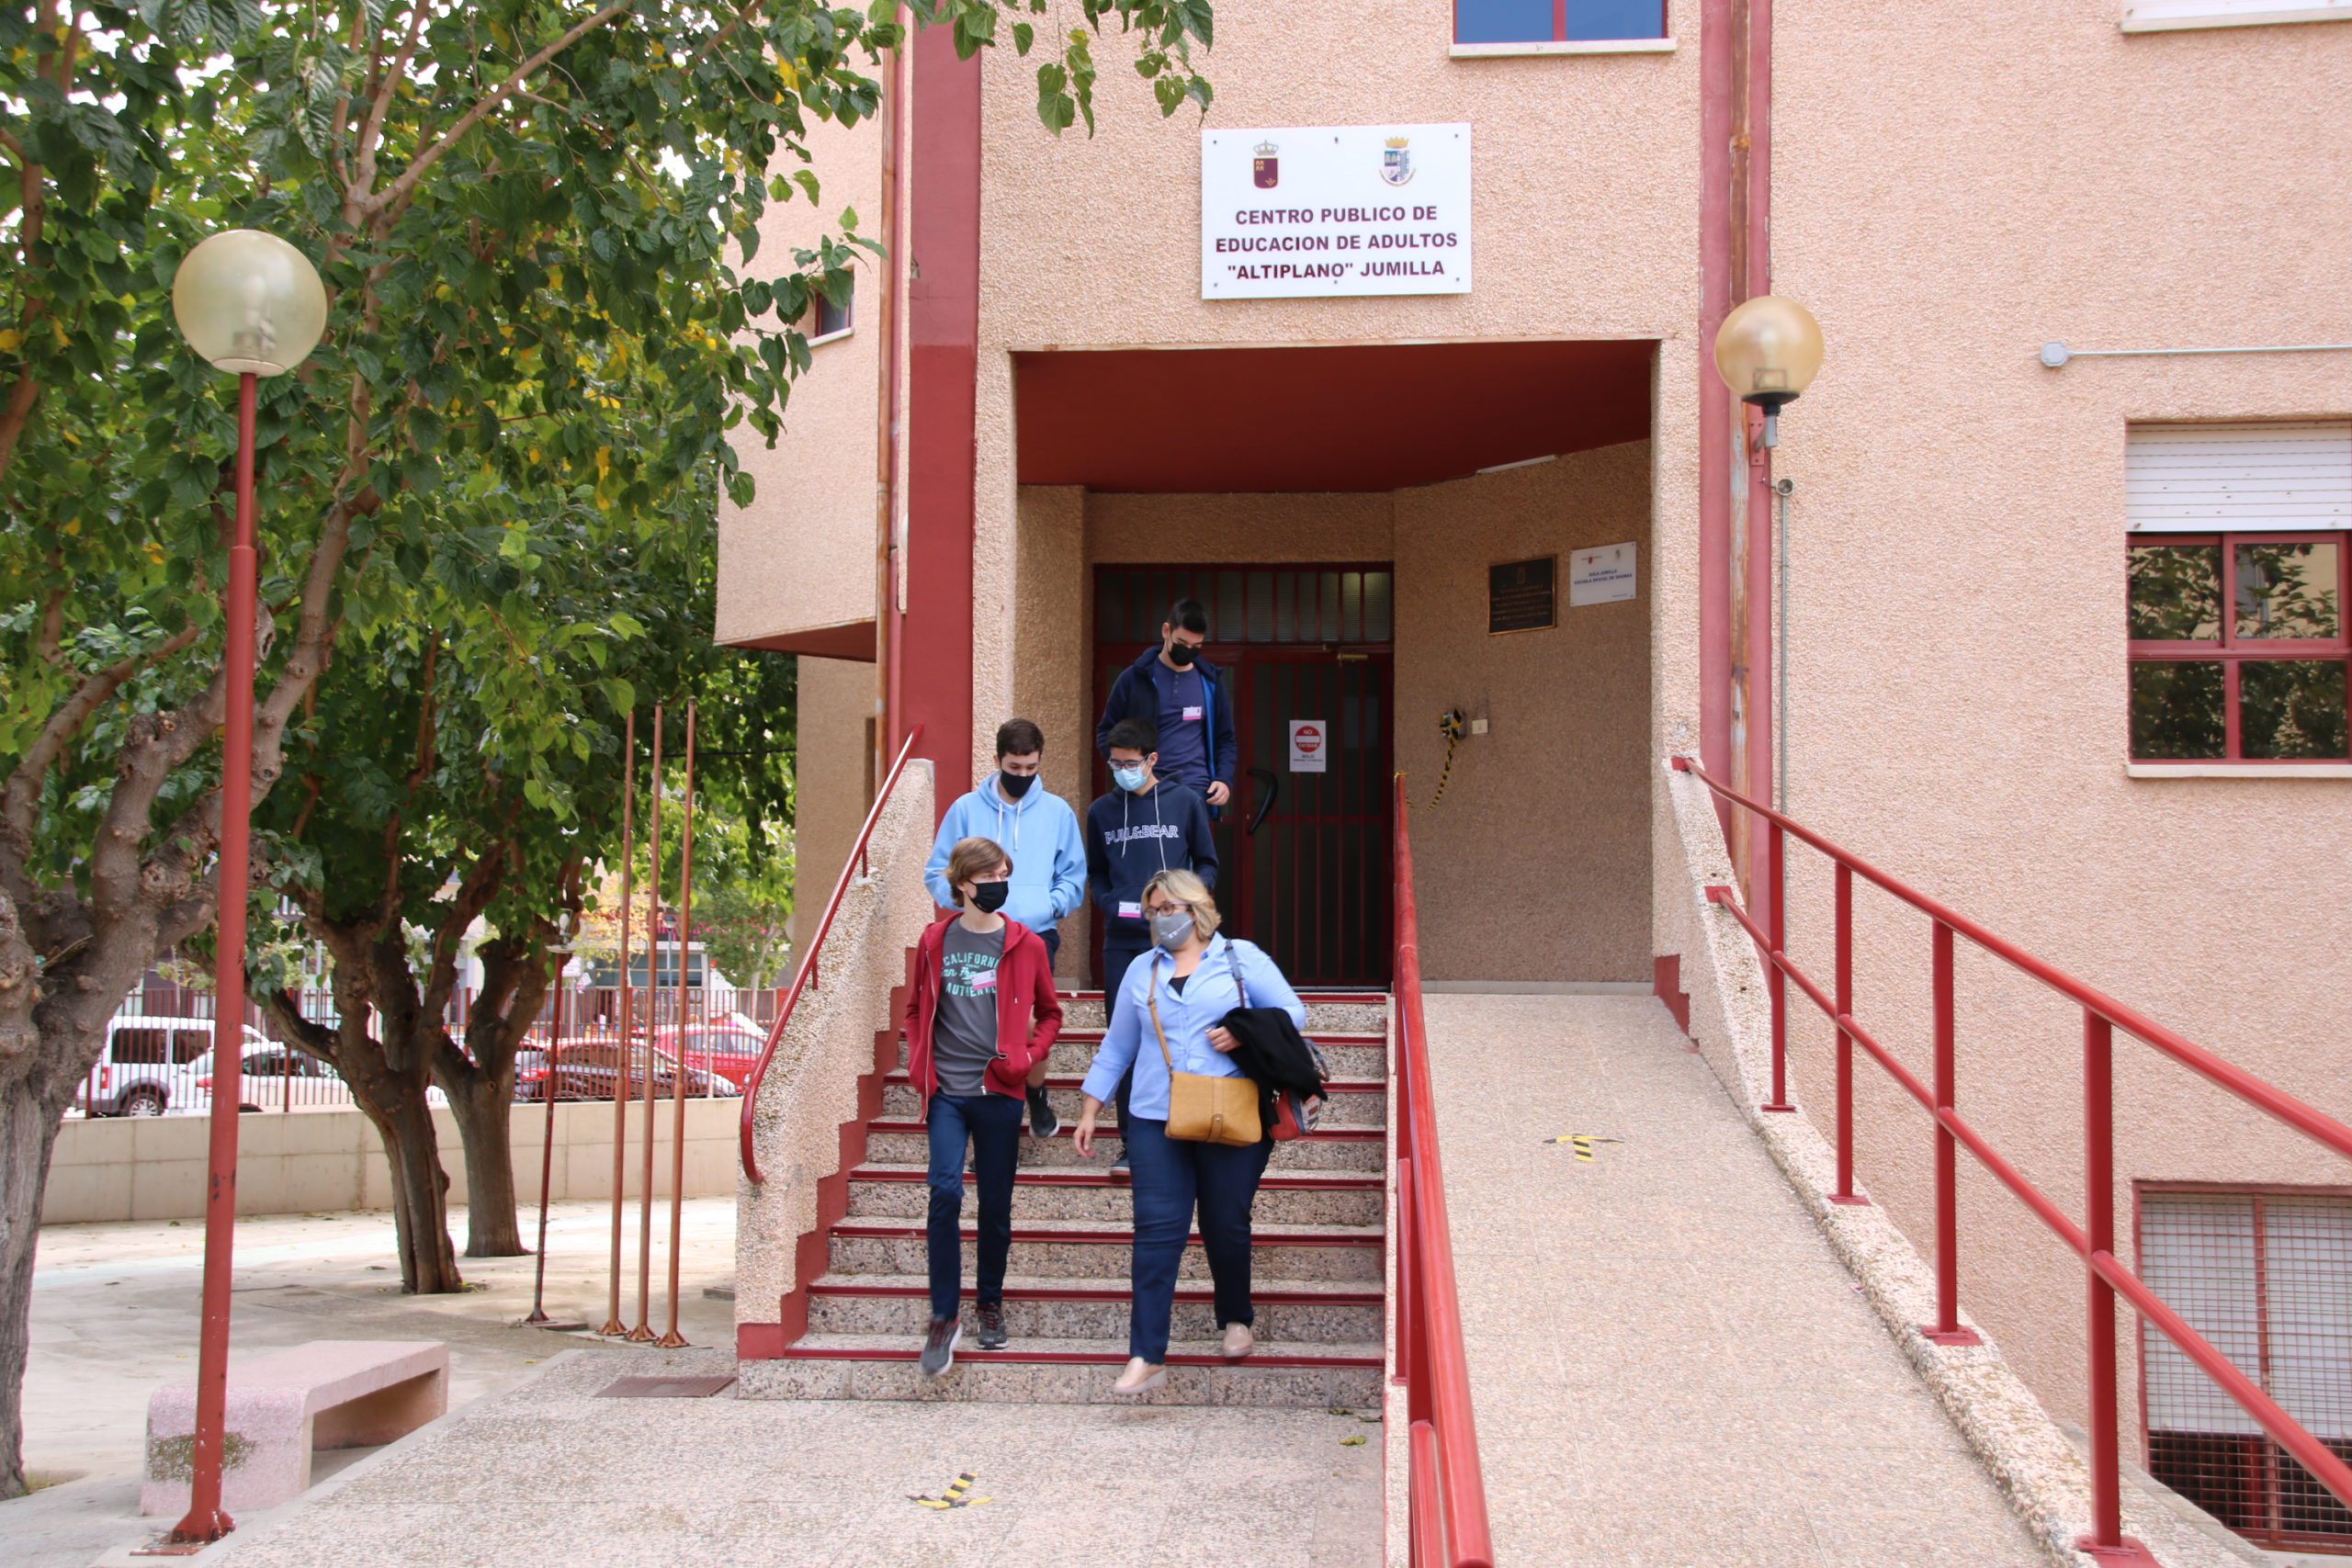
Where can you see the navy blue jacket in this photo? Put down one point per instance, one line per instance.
(1130, 837)
(1134, 695)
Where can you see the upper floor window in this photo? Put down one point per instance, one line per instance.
(1556, 21)
(833, 320)
(2240, 572)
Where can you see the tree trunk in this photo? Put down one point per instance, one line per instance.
(484, 1109)
(420, 1196)
(28, 1135)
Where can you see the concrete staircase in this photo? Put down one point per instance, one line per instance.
(1317, 1281)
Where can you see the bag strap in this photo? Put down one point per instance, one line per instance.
(1151, 1001)
(1233, 961)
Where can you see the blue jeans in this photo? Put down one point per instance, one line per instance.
(992, 1124)
(1117, 955)
(1170, 1178)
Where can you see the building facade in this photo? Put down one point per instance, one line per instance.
(2056, 634)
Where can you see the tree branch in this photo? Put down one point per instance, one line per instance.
(396, 193)
(20, 802)
(371, 130)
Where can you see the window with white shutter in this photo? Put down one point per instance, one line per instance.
(2267, 1278)
(2172, 15)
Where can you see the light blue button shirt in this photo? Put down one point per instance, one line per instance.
(1207, 997)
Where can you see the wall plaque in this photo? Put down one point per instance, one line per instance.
(1315, 211)
(1520, 596)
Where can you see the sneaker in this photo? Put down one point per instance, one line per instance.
(992, 1325)
(1043, 1123)
(1120, 1165)
(939, 1346)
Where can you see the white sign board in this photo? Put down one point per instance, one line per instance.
(1325, 210)
(1599, 575)
(1310, 745)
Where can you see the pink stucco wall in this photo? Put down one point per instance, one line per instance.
(1952, 186)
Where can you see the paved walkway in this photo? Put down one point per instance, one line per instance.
(550, 1473)
(1669, 1364)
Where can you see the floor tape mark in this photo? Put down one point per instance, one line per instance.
(957, 1494)
(1582, 1142)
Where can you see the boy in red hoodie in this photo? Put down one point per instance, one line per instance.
(981, 1018)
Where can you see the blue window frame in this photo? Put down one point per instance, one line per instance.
(1556, 21)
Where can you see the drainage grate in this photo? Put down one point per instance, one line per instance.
(664, 1388)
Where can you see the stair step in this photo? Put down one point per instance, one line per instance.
(1304, 1310)
(1077, 1249)
(1279, 1374)
(1327, 1147)
(1305, 1198)
(1355, 1102)
(1348, 1056)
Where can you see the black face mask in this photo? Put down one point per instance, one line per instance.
(1017, 784)
(987, 897)
(1181, 653)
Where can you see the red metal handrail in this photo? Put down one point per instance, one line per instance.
(2094, 1240)
(806, 975)
(1446, 1519)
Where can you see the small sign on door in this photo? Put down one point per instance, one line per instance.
(1310, 744)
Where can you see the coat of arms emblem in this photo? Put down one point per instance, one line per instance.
(1396, 161)
(1265, 167)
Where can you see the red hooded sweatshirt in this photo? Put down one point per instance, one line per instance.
(1028, 1012)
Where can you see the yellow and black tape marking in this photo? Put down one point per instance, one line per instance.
(1582, 1142)
(957, 1496)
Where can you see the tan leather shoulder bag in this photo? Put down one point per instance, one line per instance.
(1202, 1107)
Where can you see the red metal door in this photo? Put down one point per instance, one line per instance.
(1305, 852)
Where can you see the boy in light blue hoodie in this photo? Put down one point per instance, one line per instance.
(1040, 832)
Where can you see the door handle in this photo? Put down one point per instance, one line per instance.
(1271, 792)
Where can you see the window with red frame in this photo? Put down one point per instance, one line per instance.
(2238, 646)
(1556, 21)
(2266, 1276)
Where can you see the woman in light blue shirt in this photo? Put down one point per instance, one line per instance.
(1188, 980)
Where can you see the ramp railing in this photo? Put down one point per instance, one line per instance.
(2093, 1240)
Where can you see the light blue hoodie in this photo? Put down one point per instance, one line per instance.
(1039, 831)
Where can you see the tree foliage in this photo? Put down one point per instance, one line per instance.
(536, 224)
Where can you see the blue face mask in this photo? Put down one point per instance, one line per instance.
(1128, 776)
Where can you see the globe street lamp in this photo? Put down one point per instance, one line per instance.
(1768, 351)
(253, 306)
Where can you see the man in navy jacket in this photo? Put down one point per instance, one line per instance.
(1187, 701)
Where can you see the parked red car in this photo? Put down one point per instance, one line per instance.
(586, 1069)
(726, 1049)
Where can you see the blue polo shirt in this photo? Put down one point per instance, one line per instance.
(1183, 741)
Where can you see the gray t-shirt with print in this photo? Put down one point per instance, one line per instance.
(962, 1041)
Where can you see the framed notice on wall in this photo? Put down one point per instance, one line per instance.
(1520, 596)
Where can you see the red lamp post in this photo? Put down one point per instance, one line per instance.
(253, 306)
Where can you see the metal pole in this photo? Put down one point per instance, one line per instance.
(205, 1520)
(643, 1332)
(1777, 983)
(613, 1324)
(1845, 1194)
(671, 1339)
(2099, 1194)
(547, 1150)
(1946, 1331)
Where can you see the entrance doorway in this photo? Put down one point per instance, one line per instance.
(1304, 846)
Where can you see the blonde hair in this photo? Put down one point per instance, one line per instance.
(972, 859)
(1186, 887)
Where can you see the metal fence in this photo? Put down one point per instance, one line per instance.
(158, 1055)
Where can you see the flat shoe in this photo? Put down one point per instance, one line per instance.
(1158, 1378)
(1238, 1342)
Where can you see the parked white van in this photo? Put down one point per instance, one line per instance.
(150, 1066)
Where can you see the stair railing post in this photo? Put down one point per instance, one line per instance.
(1776, 929)
(1845, 1194)
(1947, 1330)
(1405, 1322)
(2098, 1215)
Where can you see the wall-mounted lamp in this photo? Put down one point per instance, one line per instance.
(1768, 351)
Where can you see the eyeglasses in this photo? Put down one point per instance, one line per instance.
(1168, 909)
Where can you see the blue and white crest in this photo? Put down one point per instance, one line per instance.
(1396, 161)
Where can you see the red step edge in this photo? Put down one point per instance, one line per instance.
(1070, 1357)
(846, 1287)
(1333, 999)
(915, 1230)
(899, 1079)
(1071, 1176)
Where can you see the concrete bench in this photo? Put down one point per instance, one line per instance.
(329, 1394)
